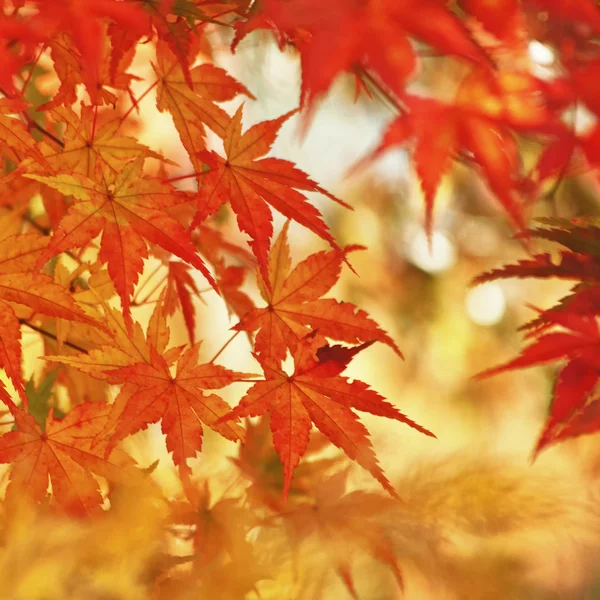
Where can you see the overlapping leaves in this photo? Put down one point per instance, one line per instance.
(568, 332)
(295, 307)
(129, 210)
(251, 186)
(317, 393)
(150, 392)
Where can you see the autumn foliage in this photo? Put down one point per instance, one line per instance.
(89, 215)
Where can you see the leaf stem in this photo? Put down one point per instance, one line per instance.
(35, 125)
(223, 347)
(136, 102)
(180, 177)
(33, 66)
(51, 335)
(145, 283)
(153, 290)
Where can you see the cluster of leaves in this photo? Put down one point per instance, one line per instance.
(566, 332)
(84, 205)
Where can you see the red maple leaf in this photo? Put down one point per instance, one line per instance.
(180, 290)
(479, 123)
(84, 21)
(316, 393)
(579, 345)
(251, 185)
(334, 37)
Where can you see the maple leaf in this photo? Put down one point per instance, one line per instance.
(190, 97)
(341, 523)
(316, 393)
(481, 122)
(157, 12)
(181, 286)
(179, 290)
(178, 401)
(213, 244)
(580, 262)
(15, 140)
(334, 37)
(259, 462)
(37, 291)
(567, 155)
(294, 305)
(117, 346)
(579, 345)
(230, 279)
(570, 266)
(128, 209)
(149, 393)
(220, 527)
(251, 185)
(176, 23)
(22, 41)
(570, 413)
(570, 409)
(64, 452)
(84, 21)
(92, 136)
(71, 71)
(504, 18)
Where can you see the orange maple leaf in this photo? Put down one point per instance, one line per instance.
(84, 22)
(152, 393)
(251, 185)
(316, 393)
(66, 452)
(149, 393)
(344, 523)
(92, 136)
(128, 209)
(294, 305)
(190, 97)
(117, 346)
(220, 526)
(15, 140)
(37, 291)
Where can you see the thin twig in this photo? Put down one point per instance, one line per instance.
(145, 283)
(153, 290)
(223, 347)
(51, 335)
(136, 102)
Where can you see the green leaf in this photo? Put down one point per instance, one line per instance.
(39, 399)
